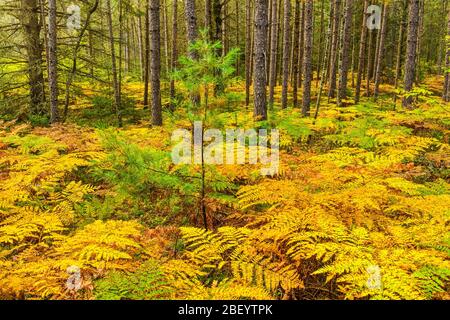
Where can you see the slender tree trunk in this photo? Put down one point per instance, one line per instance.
(155, 54)
(147, 53)
(369, 62)
(273, 54)
(447, 64)
(286, 51)
(345, 52)
(320, 53)
(32, 30)
(295, 66)
(166, 38)
(381, 52)
(248, 40)
(261, 24)
(141, 50)
(117, 98)
(335, 49)
(307, 59)
(324, 67)
(208, 19)
(174, 52)
(362, 51)
(398, 64)
(411, 51)
(53, 61)
(191, 26)
(302, 47)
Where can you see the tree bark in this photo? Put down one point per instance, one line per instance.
(191, 26)
(307, 59)
(155, 54)
(447, 64)
(117, 98)
(146, 53)
(53, 62)
(261, 24)
(345, 52)
(379, 64)
(334, 49)
(398, 64)
(248, 40)
(273, 53)
(32, 30)
(411, 51)
(295, 66)
(362, 50)
(286, 51)
(174, 52)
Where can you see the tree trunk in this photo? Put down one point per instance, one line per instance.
(379, 64)
(334, 49)
(307, 59)
(166, 38)
(398, 64)
(53, 61)
(155, 54)
(447, 64)
(32, 30)
(273, 53)
(117, 98)
(248, 40)
(302, 46)
(295, 66)
(191, 26)
(362, 51)
(286, 51)
(345, 52)
(146, 53)
(174, 52)
(411, 51)
(208, 19)
(261, 24)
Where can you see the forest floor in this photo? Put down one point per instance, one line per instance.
(360, 208)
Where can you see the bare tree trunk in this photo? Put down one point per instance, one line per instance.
(147, 53)
(369, 63)
(141, 49)
(273, 54)
(302, 47)
(208, 18)
(117, 98)
(335, 49)
(362, 50)
(345, 52)
(166, 38)
(324, 67)
(307, 59)
(32, 30)
(379, 64)
(248, 40)
(155, 54)
(53, 61)
(447, 65)
(398, 64)
(320, 53)
(295, 66)
(174, 52)
(411, 51)
(286, 51)
(191, 26)
(261, 24)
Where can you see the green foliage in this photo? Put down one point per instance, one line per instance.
(146, 283)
